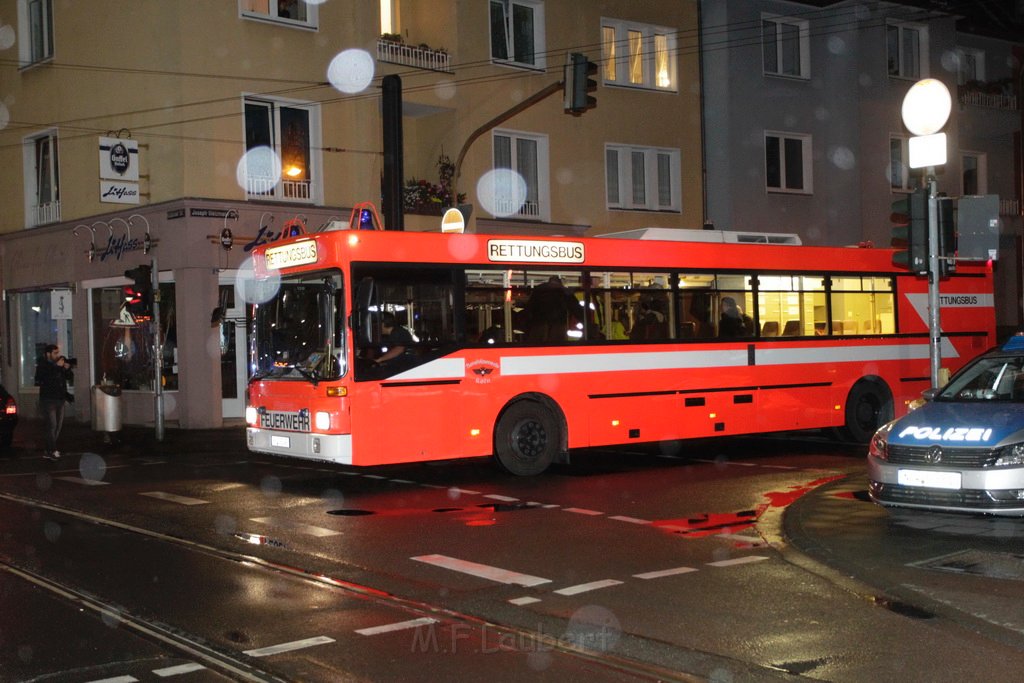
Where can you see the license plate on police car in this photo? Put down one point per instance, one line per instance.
(932, 480)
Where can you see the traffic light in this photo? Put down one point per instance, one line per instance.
(947, 237)
(138, 295)
(910, 232)
(578, 84)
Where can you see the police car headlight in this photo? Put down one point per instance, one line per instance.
(879, 446)
(1011, 455)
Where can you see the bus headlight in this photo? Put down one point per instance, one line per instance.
(252, 416)
(322, 420)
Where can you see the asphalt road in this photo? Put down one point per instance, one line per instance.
(732, 560)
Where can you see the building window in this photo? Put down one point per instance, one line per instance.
(294, 12)
(786, 46)
(35, 23)
(517, 32)
(974, 167)
(279, 139)
(638, 55)
(642, 178)
(902, 178)
(524, 192)
(388, 17)
(787, 162)
(906, 46)
(970, 66)
(42, 187)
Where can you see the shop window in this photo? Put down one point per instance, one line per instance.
(39, 325)
(123, 346)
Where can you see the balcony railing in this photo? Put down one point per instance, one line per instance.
(394, 52)
(274, 188)
(44, 214)
(1009, 207)
(993, 100)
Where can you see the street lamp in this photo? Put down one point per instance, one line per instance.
(926, 108)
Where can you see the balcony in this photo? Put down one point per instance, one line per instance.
(417, 56)
(993, 95)
(43, 214)
(277, 188)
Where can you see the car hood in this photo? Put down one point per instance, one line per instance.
(967, 425)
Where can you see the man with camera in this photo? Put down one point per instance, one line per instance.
(52, 374)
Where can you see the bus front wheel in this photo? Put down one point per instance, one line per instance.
(527, 439)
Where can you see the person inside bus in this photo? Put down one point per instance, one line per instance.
(550, 310)
(734, 322)
(650, 321)
(395, 339)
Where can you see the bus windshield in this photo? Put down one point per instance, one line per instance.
(299, 333)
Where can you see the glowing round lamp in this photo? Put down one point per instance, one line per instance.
(926, 107)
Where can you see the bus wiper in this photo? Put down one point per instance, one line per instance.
(309, 373)
(259, 374)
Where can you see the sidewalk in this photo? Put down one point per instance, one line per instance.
(131, 440)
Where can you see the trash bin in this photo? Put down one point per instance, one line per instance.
(106, 408)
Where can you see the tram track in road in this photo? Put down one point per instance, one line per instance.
(244, 665)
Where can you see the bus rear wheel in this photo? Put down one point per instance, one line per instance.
(526, 439)
(868, 407)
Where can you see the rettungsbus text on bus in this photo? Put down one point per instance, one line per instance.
(525, 348)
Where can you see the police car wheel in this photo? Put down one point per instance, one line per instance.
(526, 439)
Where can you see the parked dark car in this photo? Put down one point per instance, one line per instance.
(8, 418)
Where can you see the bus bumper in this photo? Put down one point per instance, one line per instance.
(326, 447)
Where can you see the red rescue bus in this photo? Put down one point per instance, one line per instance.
(528, 347)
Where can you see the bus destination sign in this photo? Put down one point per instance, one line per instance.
(535, 251)
(297, 254)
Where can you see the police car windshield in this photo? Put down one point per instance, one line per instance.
(994, 378)
(298, 333)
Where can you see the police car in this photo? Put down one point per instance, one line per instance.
(963, 449)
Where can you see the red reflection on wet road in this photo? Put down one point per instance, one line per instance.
(712, 523)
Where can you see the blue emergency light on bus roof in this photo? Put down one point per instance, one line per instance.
(1014, 343)
(366, 220)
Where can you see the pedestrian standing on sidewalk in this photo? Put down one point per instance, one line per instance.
(52, 374)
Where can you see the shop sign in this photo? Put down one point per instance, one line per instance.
(119, 193)
(119, 159)
(60, 304)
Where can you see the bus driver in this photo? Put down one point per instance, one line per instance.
(395, 339)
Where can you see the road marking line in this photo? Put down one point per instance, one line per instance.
(301, 528)
(454, 490)
(172, 498)
(524, 601)
(631, 520)
(584, 511)
(178, 670)
(115, 679)
(504, 499)
(586, 587)
(399, 626)
(85, 482)
(374, 476)
(737, 560)
(664, 572)
(288, 647)
(482, 571)
(227, 487)
(402, 481)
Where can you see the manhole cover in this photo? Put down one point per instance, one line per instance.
(980, 563)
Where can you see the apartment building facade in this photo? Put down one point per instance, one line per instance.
(808, 136)
(182, 134)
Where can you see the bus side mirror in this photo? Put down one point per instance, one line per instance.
(362, 316)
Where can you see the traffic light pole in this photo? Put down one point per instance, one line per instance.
(158, 358)
(934, 327)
